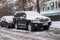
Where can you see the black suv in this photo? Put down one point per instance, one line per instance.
(31, 20)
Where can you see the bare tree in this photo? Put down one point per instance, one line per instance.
(3, 8)
(38, 6)
(24, 5)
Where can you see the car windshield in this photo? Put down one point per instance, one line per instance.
(20, 15)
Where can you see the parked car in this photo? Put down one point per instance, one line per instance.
(0, 21)
(31, 20)
(7, 21)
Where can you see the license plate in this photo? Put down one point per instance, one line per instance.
(45, 24)
(20, 24)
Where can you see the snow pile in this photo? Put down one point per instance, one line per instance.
(55, 24)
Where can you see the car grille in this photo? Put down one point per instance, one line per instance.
(43, 20)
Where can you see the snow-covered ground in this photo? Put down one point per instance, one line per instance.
(55, 24)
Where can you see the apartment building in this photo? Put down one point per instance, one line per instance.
(51, 8)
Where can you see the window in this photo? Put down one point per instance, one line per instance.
(58, 5)
(47, 8)
(42, 9)
(20, 15)
(45, 0)
(52, 6)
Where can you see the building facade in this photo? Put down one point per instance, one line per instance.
(51, 8)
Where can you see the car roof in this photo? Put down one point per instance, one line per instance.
(7, 17)
(26, 12)
(31, 14)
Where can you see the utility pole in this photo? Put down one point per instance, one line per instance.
(38, 7)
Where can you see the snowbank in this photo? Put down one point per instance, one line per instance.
(55, 24)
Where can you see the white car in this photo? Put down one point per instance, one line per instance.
(7, 21)
(31, 20)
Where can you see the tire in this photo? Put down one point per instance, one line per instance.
(16, 26)
(6, 25)
(30, 27)
(46, 27)
(13, 25)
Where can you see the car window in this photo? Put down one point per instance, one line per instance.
(20, 15)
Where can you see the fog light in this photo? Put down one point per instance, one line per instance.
(35, 24)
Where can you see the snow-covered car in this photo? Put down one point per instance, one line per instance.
(7, 21)
(31, 20)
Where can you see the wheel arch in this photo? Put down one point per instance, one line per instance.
(27, 22)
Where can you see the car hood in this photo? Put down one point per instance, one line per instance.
(9, 19)
(35, 17)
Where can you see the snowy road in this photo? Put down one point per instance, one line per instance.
(13, 34)
(55, 24)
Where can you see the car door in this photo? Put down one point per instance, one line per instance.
(22, 19)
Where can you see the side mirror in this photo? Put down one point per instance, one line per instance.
(22, 17)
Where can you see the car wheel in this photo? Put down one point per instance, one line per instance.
(30, 27)
(7, 26)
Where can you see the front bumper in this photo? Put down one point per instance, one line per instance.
(41, 24)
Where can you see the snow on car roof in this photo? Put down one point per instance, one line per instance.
(8, 18)
(26, 12)
(31, 14)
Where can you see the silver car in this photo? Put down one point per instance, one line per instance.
(7, 21)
